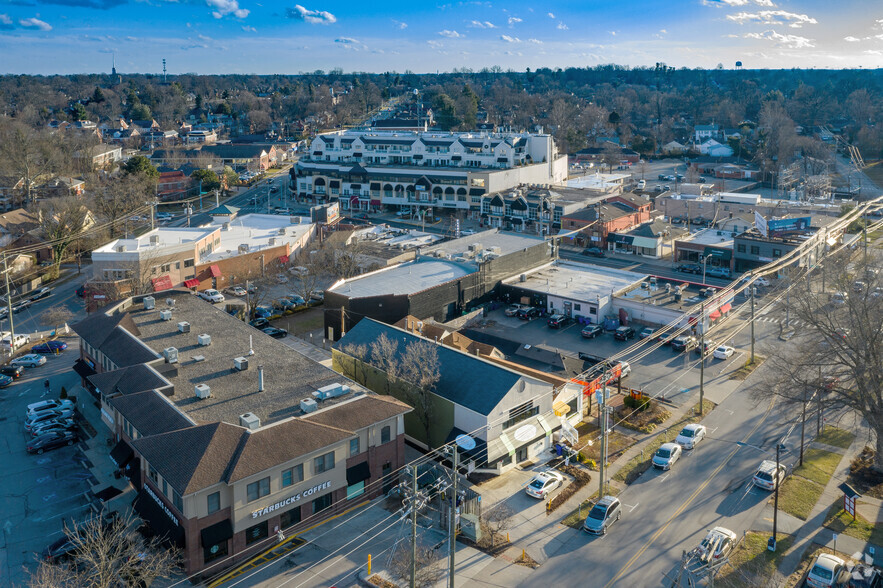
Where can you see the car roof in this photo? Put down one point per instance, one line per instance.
(829, 561)
(669, 446)
(694, 426)
(767, 466)
(721, 531)
(607, 501)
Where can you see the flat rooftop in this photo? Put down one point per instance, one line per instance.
(507, 243)
(662, 293)
(255, 230)
(580, 281)
(403, 279)
(289, 376)
(710, 237)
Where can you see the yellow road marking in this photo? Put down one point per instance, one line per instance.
(687, 502)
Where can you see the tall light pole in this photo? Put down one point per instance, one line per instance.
(704, 262)
(753, 292)
(701, 357)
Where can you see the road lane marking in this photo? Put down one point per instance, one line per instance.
(663, 478)
(689, 500)
(632, 508)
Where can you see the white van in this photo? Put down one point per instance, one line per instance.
(20, 341)
(642, 184)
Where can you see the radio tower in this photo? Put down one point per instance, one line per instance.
(113, 66)
(164, 71)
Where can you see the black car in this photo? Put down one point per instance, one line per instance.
(594, 252)
(690, 268)
(591, 331)
(260, 323)
(52, 440)
(624, 333)
(59, 550)
(683, 342)
(81, 291)
(41, 294)
(556, 321)
(21, 306)
(526, 314)
(13, 371)
(275, 332)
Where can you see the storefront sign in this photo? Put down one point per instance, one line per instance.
(162, 505)
(290, 500)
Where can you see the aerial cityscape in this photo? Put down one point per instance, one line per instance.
(441, 295)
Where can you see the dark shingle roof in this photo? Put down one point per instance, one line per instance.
(235, 151)
(150, 413)
(361, 412)
(116, 336)
(128, 380)
(465, 380)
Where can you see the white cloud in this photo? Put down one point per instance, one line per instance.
(551, 14)
(35, 23)
(350, 43)
(562, 26)
(482, 25)
(535, 41)
(310, 16)
(851, 39)
(450, 34)
(509, 39)
(514, 20)
(773, 17)
(248, 29)
(613, 33)
(789, 41)
(223, 8)
(435, 44)
(400, 25)
(663, 32)
(5, 22)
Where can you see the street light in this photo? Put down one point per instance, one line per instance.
(704, 263)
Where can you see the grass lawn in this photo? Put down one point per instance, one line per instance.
(302, 322)
(616, 441)
(835, 437)
(643, 421)
(575, 519)
(638, 464)
(818, 465)
(744, 371)
(798, 496)
(839, 521)
(752, 561)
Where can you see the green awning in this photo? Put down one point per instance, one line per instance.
(719, 253)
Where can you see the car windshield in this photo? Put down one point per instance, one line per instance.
(820, 572)
(537, 484)
(765, 476)
(598, 513)
(661, 452)
(687, 433)
(722, 349)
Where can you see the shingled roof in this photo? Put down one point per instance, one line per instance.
(116, 336)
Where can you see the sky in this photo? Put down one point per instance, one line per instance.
(243, 36)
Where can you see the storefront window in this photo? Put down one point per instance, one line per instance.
(258, 489)
(356, 489)
(213, 552)
(289, 517)
(256, 533)
(321, 503)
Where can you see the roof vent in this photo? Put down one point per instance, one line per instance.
(202, 391)
(170, 302)
(272, 241)
(171, 354)
(330, 391)
(225, 227)
(154, 239)
(204, 340)
(243, 248)
(240, 364)
(250, 420)
(308, 405)
(183, 327)
(282, 231)
(121, 248)
(165, 315)
(149, 302)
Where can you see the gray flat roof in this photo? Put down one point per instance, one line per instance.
(579, 281)
(711, 237)
(403, 279)
(507, 242)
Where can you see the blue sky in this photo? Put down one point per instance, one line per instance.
(243, 36)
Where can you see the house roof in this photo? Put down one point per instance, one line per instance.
(150, 413)
(18, 221)
(128, 380)
(107, 333)
(469, 381)
(632, 198)
(235, 151)
(656, 226)
(608, 213)
(360, 412)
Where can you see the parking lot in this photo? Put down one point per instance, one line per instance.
(45, 489)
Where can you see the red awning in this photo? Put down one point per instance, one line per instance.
(726, 307)
(283, 259)
(375, 202)
(161, 283)
(215, 270)
(354, 198)
(692, 320)
(191, 283)
(715, 315)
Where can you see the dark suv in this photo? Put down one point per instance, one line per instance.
(556, 321)
(624, 333)
(526, 314)
(592, 331)
(683, 342)
(690, 268)
(594, 252)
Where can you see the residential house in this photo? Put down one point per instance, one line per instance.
(200, 136)
(654, 239)
(102, 155)
(12, 192)
(15, 223)
(173, 185)
(703, 132)
(673, 148)
(591, 226)
(62, 186)
(243, 157)
(531, 210)
(144, 126)
(159, 138)
(712, 148)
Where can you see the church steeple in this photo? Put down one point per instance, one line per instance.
(113, 69)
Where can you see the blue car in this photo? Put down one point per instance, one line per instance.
(263, 312)
(49, 347)
(5, 380)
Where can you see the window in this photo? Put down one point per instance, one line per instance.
(213, 552)
(258, 489)
(777, 253)
(356, 489)
(323, 463)
(256, 533)
(385, 434)
(755, 250)
(177, 501)
(354, 446)
(520, 413)
(166, 267)
(165, 488)
(740, 248)
(321, 503)
(289, 517)
(214, 502)
(177, 265)
(293, 475)
(153, 475)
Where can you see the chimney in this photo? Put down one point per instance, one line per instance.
(260, 378)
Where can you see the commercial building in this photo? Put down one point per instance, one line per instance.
(654, 239)
(226, 251)
(533, 210)
(222, 445)
(711, 245)
(775, 238)
(420, 171)
(591, 226)
(442, 283)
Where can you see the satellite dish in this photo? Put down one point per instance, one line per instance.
(465, 442)
(526, 433)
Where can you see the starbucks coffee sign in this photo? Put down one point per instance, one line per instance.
(290, 500)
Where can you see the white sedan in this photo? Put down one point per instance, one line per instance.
(543, 484)
(211, 295)
(723, 352)
(691, 435)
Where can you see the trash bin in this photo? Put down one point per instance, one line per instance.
(558, 449)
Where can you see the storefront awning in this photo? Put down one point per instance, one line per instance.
(133, 472)
(545, 424)
(121, 454)
(622, 239)
(354, 199)
(560, 408)
(358, 473)
(645, 242)
(476, 191)
(108, 493)
(726, 307)
(356, 186)
(161, 521)
(714, 315)
(283, 259)
(724, 254)
(83, 369)
(161, 283)
(217, 533)
(375, 185)
(499, 447)
(375, 202)
(215, 271)
(334, 184)
(191, 283)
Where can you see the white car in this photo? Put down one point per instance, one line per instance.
(723, 352)
(825, 571)
(49, 405)
(211, 295)
(717, 544)
(34, 420)
(30, 360)
(237, 291)
(691, 435)
(544, 483)
(766, 477)
(666, 455)
(758, 281)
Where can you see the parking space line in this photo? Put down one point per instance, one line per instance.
(633, 507)
(664, 478)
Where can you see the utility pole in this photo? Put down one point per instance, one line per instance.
(9, 308)
(452, 517)
(414, 526)
(753, 291)
(819, 405)
(802, 426)
(602, 407)
(771, 545)
(342, 328)
(702, 356)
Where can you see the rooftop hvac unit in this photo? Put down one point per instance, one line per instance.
(183, 327)
(170, 302)
(240, 364)
(243, 248)
(225, 227)
(272, 241)
(154, 239)
(308, 405)
(653, 280)
(522, 278)
(250, 420)
(204, 340)
(121, 248)
(475, 247)
(645, 286)
(165, 315)
(282, 231)
(330, 391)
(171, 354)
(149, 303)
(202, 391)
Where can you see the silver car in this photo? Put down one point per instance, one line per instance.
(666, 455)
(607, 511)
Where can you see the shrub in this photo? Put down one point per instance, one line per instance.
(640, 404)
(63, 394)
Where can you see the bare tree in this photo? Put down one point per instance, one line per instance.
(359, 354)
(62, 220)
(105, 555)
(611, 155)
(57, 315)
(429, 572)
(117, 197)
(26, 153)
(497, 520)
(310, 273)
(385, 356)
(420, 368)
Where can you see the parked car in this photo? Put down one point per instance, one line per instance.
(718, 543)
(645, 332)
(13, 371)
(683, 343)
(691, 435)
(708, 345)
(28, 360)
(275, 332)
(556, 321)
(317, 295)
(690, 268)
(592, 331)
(260, 323)
(837, 299)
(211, 295)
(20, 340)
(723, 352)
(717, 271)
(80, 291)
(759, 281)
(666, 455)
(263, 312)
(825, 571)
(765, 477)
(528, 313)
(53, 425)
(59, 550)
(49, 347)
(513, 309)
(52, 440)
(283, 304)
(296, 300)
(624, 370)
(544, 483)
(50, 404)
(606, 511)
(43, 416)
(666, 338)
(594, 252)
(5, 380)
(24, 304)
(624, 333)
(237, 291)
(41, 294)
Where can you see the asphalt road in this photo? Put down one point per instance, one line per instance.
(30, 319)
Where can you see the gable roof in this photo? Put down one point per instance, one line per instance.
(116, 336)
(128, 380)
(18, 221)
(235, 151)
(360, 412)
(150, 413)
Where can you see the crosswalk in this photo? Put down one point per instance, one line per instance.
(793, 323)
